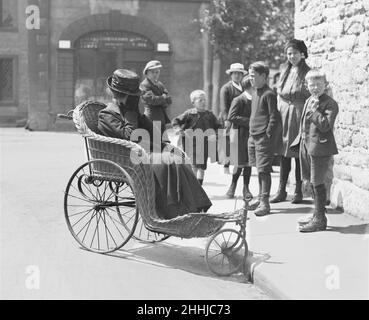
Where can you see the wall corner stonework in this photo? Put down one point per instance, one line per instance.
(337, 36)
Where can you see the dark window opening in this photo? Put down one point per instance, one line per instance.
(8, 14)
(98, 54)
(7, 81)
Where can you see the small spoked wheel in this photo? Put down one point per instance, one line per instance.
(226, 252)
(101, 214)
(144, 235)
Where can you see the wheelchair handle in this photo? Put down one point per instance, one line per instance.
(67, 116)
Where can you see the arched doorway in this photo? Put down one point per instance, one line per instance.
(98, 54)
(94, 46)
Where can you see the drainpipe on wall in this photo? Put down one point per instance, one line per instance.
(207, 60)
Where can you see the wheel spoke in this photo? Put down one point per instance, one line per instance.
(82, 218)
(78, 205)
(223, 237)
(106, 187)
(88, 227)
(96, 229)
(106, 228)
(216, 255)
(85, 200)
(112, 194)
(230, 235)
(87, 223)
(218, 244)
(98, 193)
(79, 191)
(126, 212)
(123, 189)
(120, 222)
(106, 234)
(114, 224)
(87, 186)
(126, 223)
(76, 214)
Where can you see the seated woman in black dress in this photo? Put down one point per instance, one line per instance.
(176, 188)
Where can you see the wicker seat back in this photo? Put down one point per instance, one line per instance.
(127, 155)
(90, 114)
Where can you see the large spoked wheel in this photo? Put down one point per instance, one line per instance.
(226, 252)
(141, 233)
(100, 217)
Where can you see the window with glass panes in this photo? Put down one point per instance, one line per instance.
(7, 80)
(8, 14)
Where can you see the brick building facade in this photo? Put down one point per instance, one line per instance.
(337, 35)
(79, 43)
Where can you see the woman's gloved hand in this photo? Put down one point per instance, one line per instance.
(132, 117)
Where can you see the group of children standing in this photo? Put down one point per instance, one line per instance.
(250, 117)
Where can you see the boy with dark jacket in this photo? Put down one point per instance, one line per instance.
(317, 145)
(265, 132)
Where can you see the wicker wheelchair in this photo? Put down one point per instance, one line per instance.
(111, 199)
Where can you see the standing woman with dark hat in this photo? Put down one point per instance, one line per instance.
(292, 94)
(177, 191)
(154, 95)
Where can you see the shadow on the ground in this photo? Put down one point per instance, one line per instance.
(214, 184)
(289, 211)
(362, 229)
(171, 256)
(301, 210)
(219, 198)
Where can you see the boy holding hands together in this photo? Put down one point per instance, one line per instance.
(317, 145)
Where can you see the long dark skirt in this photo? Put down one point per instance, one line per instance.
(177, 190)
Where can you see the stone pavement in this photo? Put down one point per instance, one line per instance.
(289, 265)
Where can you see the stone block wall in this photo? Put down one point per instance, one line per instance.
(175, 19)
(13, 43)
(337, 35)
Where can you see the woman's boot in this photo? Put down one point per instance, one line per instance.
(319, 220)
(285, 169)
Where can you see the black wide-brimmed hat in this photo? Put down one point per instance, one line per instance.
(125, 82)
(298, 45)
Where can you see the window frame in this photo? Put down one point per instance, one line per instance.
(14, 101)
(13, 28)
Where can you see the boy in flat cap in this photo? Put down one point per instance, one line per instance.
(155, 97)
